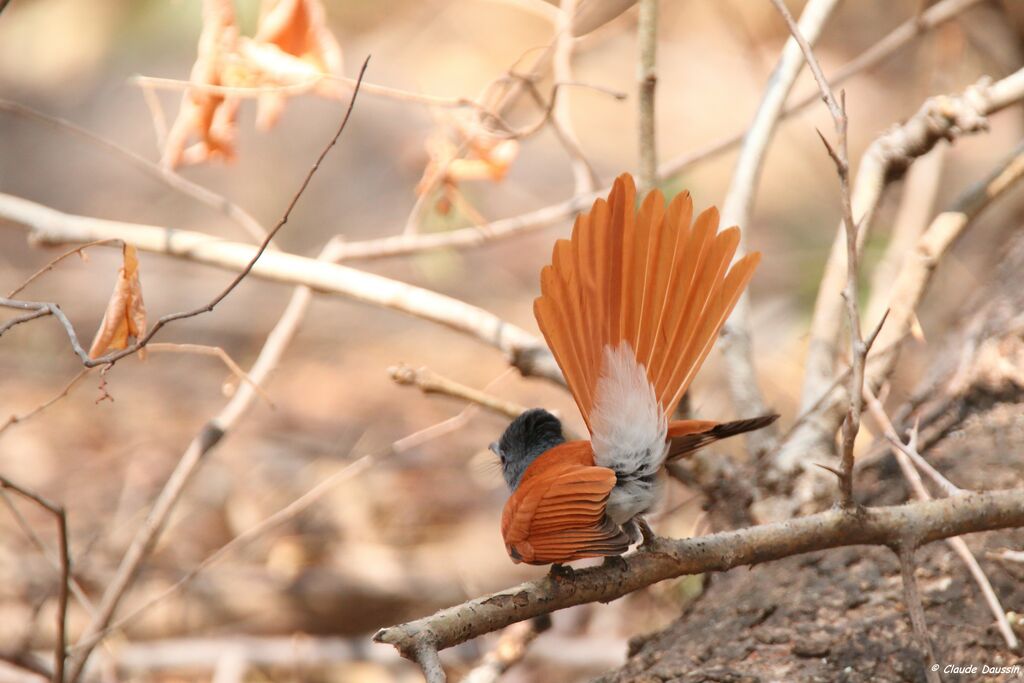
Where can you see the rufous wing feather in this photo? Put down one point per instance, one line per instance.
(687, 436)
(557, 513)
(655, 278)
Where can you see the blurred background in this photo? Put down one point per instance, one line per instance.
(418, 528)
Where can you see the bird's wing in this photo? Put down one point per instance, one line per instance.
(557, 513)
(654, 278)
(687, 436)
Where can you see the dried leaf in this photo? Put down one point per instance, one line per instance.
(485, 159)
(298, 29)
(125, 316)
(207, 116)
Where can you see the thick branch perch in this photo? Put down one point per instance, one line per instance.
(904, 525)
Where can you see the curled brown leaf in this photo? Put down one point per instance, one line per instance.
(125, 316)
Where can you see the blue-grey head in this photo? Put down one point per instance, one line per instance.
(529, 436)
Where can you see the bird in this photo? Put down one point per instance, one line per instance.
(630, 307)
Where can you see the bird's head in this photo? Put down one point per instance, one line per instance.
(529, 435)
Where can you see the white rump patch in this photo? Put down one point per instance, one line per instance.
(629, 428)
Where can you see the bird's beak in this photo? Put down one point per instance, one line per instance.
(493, 448)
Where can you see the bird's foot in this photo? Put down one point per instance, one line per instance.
(650, 539)
(562, 572)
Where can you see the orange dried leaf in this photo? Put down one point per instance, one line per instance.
(125, 316)
(206, 116)
(298, 30)
(485, 159)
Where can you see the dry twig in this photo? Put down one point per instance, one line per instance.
(208, 437)
(858, 348)
(912, 598)
(60, 645)
(737, 341)
(429, 382)
(905, 294)
(905, 454)
(526, 351)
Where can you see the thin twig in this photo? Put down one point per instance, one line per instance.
(49, 266)
(208, 437)
(60, 646)
(172, 179)
(216, 352)
(429, 382)
(858, 349)
(737, 342)
(912, 598)
(905, 295)
(15, 419)
(959, 546)
(76, 589)
(878, 413)
(584, 176)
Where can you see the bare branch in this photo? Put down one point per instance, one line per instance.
(528, 353)
(60, 646)
(207, 438)
(905, 293)
(173, 180)
(912, 598)
(904, 454)
(914, 523)
(858, 349)
(429, 382)
(737, 341)
(584, 177)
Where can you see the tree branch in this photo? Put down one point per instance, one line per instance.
(737, 341)
(914, 523)
(858, 349)
(60, 645)
(528, 353)
(886, 159)
(805, 441)
(206, 439)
